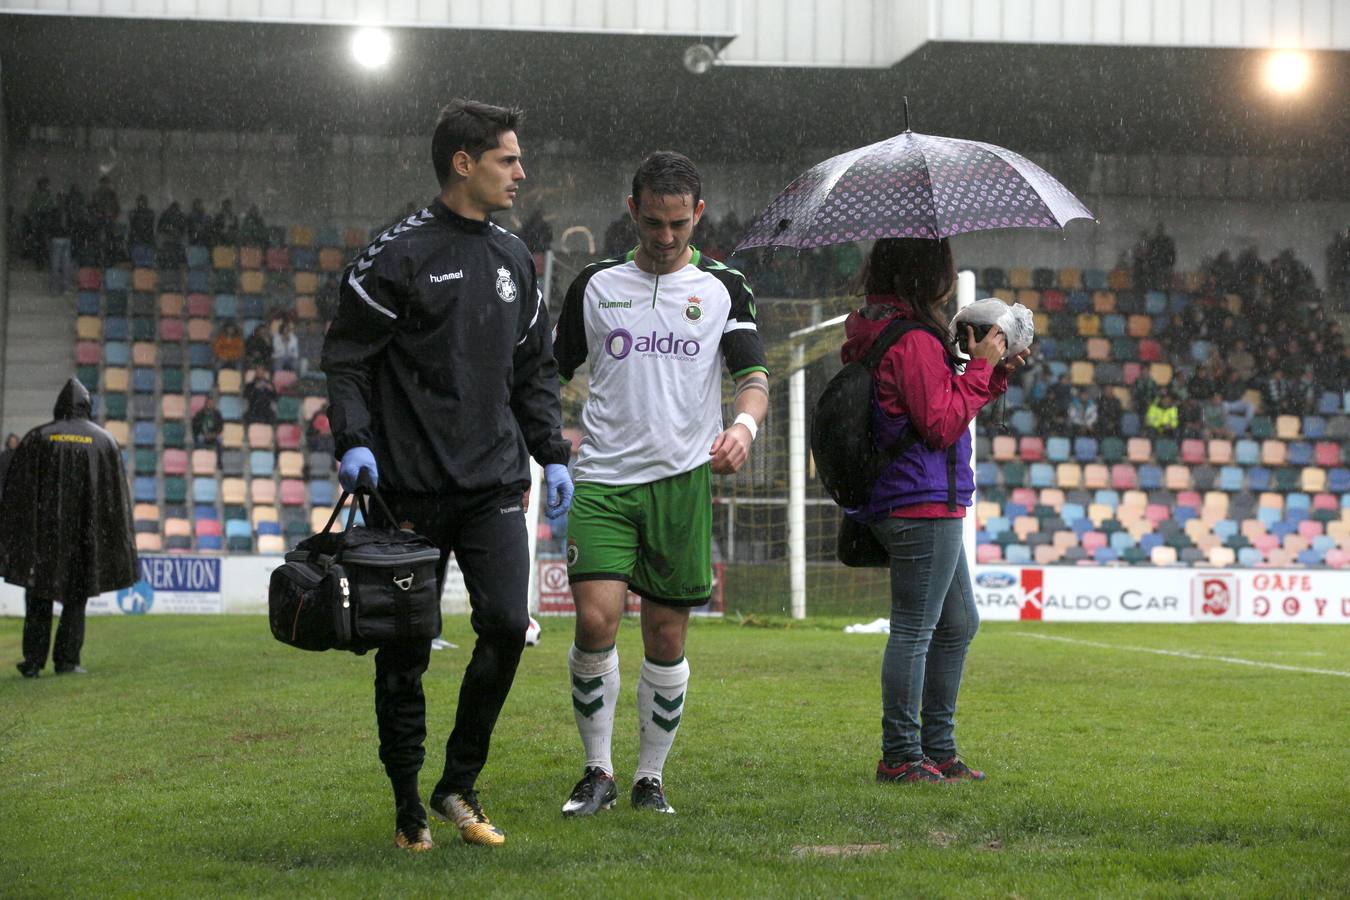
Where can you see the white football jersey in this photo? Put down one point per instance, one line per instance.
(656, 345)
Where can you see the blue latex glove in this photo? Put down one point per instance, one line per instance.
(558, 488)
(353, 461)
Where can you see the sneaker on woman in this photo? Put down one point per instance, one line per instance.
(915, 770)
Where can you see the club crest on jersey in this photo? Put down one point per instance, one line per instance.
(693, 312)
(506, 287)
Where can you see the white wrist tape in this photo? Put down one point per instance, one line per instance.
(749, 422)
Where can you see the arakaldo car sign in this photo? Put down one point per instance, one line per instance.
(1099, 594)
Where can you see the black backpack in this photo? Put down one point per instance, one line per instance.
(848, 461)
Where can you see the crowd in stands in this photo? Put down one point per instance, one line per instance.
(227, 315)
(61, 231)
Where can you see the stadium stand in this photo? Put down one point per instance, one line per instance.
(143, 348)
(1250, 484)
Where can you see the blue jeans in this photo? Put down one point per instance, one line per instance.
(933, 621)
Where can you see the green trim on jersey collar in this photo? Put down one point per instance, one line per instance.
(693, 260)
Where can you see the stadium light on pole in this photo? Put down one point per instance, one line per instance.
(372, 47)
(1287, 71)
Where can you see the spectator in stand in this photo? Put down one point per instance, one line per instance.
(199, 231)
(1278, 394)
(311, 345)
(1162, 255)
(172, 232)
(1306, 393)
(1144, 390)
(1235, 399)
(1083, 413)
(173, 224)
(225, 226)
(228, 346)
(6, 454)
(1109, 413)
(1163, 417)
(537, 233)
(1053, 413)
(1250, 273)
(1326, 367)
(1180, 385)
(1338, 270)
(258, 349)
(1214, 417)
(1241, 360)
(207, 425)
(1176, 337)
(106, 208)
(141, 223)
(80, 223)
(285, 348)
(319, 433)
(327, 298)
(1191, 418)
(260, 398)
(253, 233)
(619, 237)
(61, 267)
(42, 221)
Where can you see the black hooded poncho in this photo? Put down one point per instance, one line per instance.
(65, 518)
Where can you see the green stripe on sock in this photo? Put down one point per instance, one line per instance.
(588, 709)
(666, 724)
(668, 705)
(587, 685)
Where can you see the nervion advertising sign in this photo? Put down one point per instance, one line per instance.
(168, 584)
(1109, 594)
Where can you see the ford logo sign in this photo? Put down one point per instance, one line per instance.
(995, 579)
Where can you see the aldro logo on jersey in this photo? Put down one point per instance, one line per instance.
(620, 342)
(506, 287)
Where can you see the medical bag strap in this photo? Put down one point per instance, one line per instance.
(364, 488)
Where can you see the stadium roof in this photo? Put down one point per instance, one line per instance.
(630, 93)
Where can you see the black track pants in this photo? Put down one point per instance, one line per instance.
(486, 532)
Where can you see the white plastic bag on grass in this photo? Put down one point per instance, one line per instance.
(1015, 321)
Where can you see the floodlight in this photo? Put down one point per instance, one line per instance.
(1287, 71)
(372, 47)
(699, 58)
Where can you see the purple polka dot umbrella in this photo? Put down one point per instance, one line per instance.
(913, 186)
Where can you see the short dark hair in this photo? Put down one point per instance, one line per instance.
(666, 173)
(472, 127)
(914, 269)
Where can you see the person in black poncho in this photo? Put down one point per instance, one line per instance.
(65, 528)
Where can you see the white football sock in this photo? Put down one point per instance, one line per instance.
(594, 677)
(661, 690)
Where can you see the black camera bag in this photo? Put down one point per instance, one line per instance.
(358, 588)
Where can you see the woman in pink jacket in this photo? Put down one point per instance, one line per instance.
(917, 504)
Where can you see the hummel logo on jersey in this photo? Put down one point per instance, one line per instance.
(448, 276)
(616, 304)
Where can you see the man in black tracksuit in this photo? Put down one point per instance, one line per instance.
(441, 384)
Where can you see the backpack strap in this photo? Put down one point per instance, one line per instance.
(871, 359)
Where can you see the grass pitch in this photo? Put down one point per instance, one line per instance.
(201, 758)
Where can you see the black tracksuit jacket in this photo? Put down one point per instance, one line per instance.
(440, 359)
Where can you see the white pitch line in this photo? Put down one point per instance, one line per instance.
(1184, 655)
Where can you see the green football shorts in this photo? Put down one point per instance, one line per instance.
(657, 537)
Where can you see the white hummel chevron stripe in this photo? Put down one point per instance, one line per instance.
(363, 264)
(361, 292)
(538, 306)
